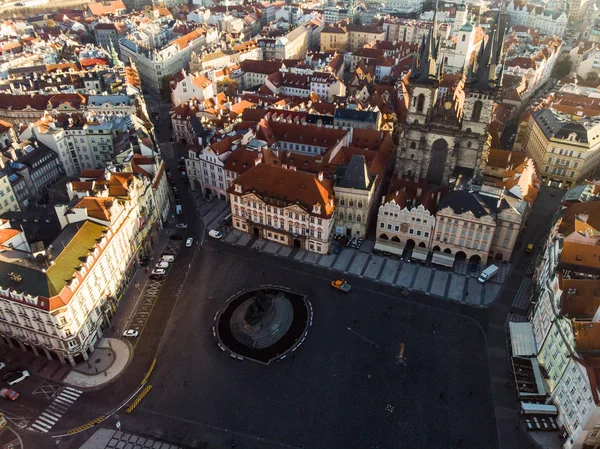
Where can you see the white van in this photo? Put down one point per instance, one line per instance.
(167, 258)
(215, 234)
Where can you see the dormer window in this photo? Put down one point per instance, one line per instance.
(238, 188)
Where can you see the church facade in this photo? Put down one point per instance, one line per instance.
(445, 137)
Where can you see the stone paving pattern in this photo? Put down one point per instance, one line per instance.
(114, 439)
(456, 284)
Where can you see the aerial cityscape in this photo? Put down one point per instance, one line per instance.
(300, 225)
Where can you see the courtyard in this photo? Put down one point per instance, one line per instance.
(375, 371)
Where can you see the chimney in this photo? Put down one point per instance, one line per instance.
(258, 160)
(12, 154)
(320, 176)
(438, 198)
(419, 191)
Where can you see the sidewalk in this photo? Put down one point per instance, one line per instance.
(114, 439)
(457, 284)
(106, 364)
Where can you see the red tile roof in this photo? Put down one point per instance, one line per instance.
(290, 186)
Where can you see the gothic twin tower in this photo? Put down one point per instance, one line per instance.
(446, 135)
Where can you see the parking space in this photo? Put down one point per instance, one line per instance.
(151, 291)
(407, 273)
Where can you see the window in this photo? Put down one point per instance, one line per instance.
(420, 103)
(382, 225)
(476, 115)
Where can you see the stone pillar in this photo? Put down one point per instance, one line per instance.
(48, 356)
(71, 360)
(35, 351)
(22, 346)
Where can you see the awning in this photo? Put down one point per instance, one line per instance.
(522, 340)
(446, 260)
(388, 248)
(538, 409)
(420, 254)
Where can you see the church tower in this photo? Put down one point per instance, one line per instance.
(482, 90)
(412, 157)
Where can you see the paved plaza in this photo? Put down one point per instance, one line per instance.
(457, 284)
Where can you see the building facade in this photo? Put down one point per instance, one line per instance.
(286, 206)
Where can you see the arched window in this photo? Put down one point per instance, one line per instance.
(413, 145)
(464, 37)
(358, 218)
(341, 201)
(360, 204)
(476, 111)
(349, 217)
(351, 203)
(420, 103)
(341, 215)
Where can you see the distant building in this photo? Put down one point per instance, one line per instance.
(356, 119)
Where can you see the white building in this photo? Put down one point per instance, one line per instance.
(56, 304)
(205, 167)
(84, 144)
(187, 86)
(542, 20)
(156, 59)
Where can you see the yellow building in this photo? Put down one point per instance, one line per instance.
(565, 149)
(334, 38)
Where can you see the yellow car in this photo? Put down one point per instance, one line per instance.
(529, 247)
(342, 285)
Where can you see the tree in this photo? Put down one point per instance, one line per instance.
(593, 78)
(228, 85)
(562, 68)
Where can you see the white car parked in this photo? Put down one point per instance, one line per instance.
(131, 333)
(167, 258)
(215, 234)
(24, 375)
(159, 271)
(162, 264)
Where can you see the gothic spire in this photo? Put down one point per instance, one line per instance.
(482, 72)
(425, 71)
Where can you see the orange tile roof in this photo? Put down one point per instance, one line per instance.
(7, 234)
(580, 254)
(587, 335)
(184, 41)
(292, 187)
(580, 298)
(97, 207)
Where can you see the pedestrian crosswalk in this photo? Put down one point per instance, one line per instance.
(61, 403)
